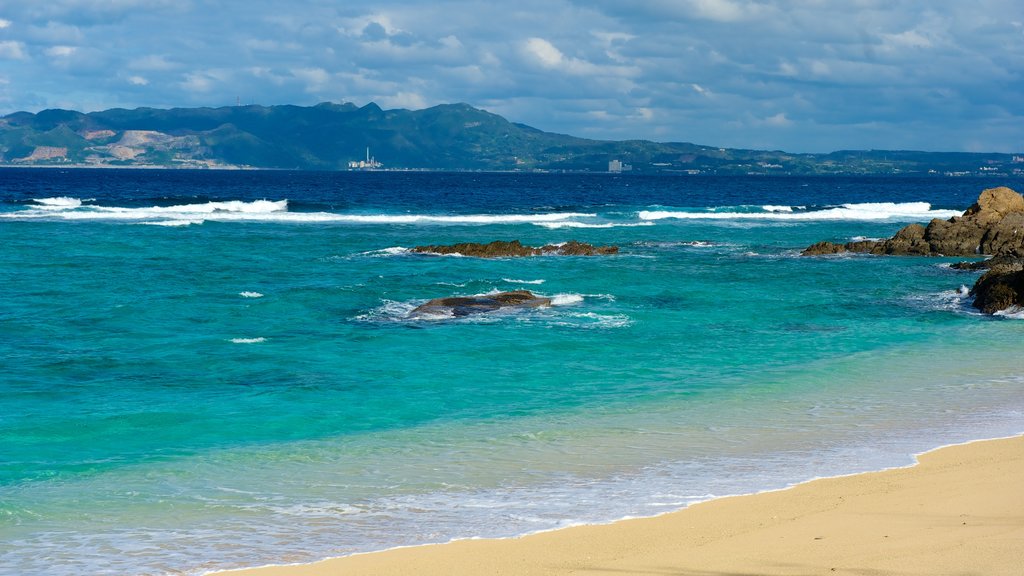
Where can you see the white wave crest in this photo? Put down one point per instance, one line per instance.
(174, 223)
(566, 299)
(57, 203)
(514, 281)
(250, 294)
(1013, 312)
(248, 340)
(865, 211)
(391, 251)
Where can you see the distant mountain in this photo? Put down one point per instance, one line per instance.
(447, 137)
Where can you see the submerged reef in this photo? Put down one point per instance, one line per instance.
(514, 248)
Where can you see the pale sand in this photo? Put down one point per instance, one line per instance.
(960, 512)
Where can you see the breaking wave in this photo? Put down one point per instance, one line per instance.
(865, 211)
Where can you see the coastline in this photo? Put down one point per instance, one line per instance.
(958, 509)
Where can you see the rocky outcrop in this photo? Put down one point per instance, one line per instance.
(503, 249)
(994, 225)
(1001, 287)
(459, 306)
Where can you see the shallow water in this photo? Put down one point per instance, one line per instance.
(209, 369)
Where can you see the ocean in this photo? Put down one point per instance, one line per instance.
(204, 370)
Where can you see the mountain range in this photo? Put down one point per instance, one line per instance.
(332, 136)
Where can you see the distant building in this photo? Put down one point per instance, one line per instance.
(369, 164)
(616, 166)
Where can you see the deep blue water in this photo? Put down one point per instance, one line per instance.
(213, 369)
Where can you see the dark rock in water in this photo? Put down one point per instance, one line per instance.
(824, 248)
(574, 248)
(514, 248)
(984, 264)
(1000, 288)
(459, 306)
(994, 225)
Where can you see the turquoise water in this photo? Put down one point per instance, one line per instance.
(241, 383)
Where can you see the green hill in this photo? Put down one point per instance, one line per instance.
(447, 137)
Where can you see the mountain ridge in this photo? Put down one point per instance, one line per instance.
(458, 136)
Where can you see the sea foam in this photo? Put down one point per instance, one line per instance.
(864, 211)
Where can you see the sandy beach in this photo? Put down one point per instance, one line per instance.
(960, 510)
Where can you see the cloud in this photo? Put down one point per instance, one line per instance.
(152, 62)
(11, 50)
(778, 120)
(409, 100)
(314, 79)
(4, 23)
(60, 51)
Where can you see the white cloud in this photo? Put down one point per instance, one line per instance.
(60, 51)
(11, 50)
(545, 53)
(4, 23)
(778, 120)
(197, 82)
(410, 100)
(152, 62)
(315, 79)
(357, 26)
(903, 40)
(137, 81)
(721, 10)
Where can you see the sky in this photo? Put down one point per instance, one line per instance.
(793, 75)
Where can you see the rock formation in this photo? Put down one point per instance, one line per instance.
(994, 226)
(459, 306)
(1001, 287)
(501, 249)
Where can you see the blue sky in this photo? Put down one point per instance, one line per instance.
(798, 75)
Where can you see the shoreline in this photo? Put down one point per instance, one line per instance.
(973, 480)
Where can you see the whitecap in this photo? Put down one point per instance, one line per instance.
(250, 294)
(566, 299)
(57, 203)
(1013, 312)
(863, 211)
(248, 340)
(173, 223)
(515, 281)
(383, 252)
